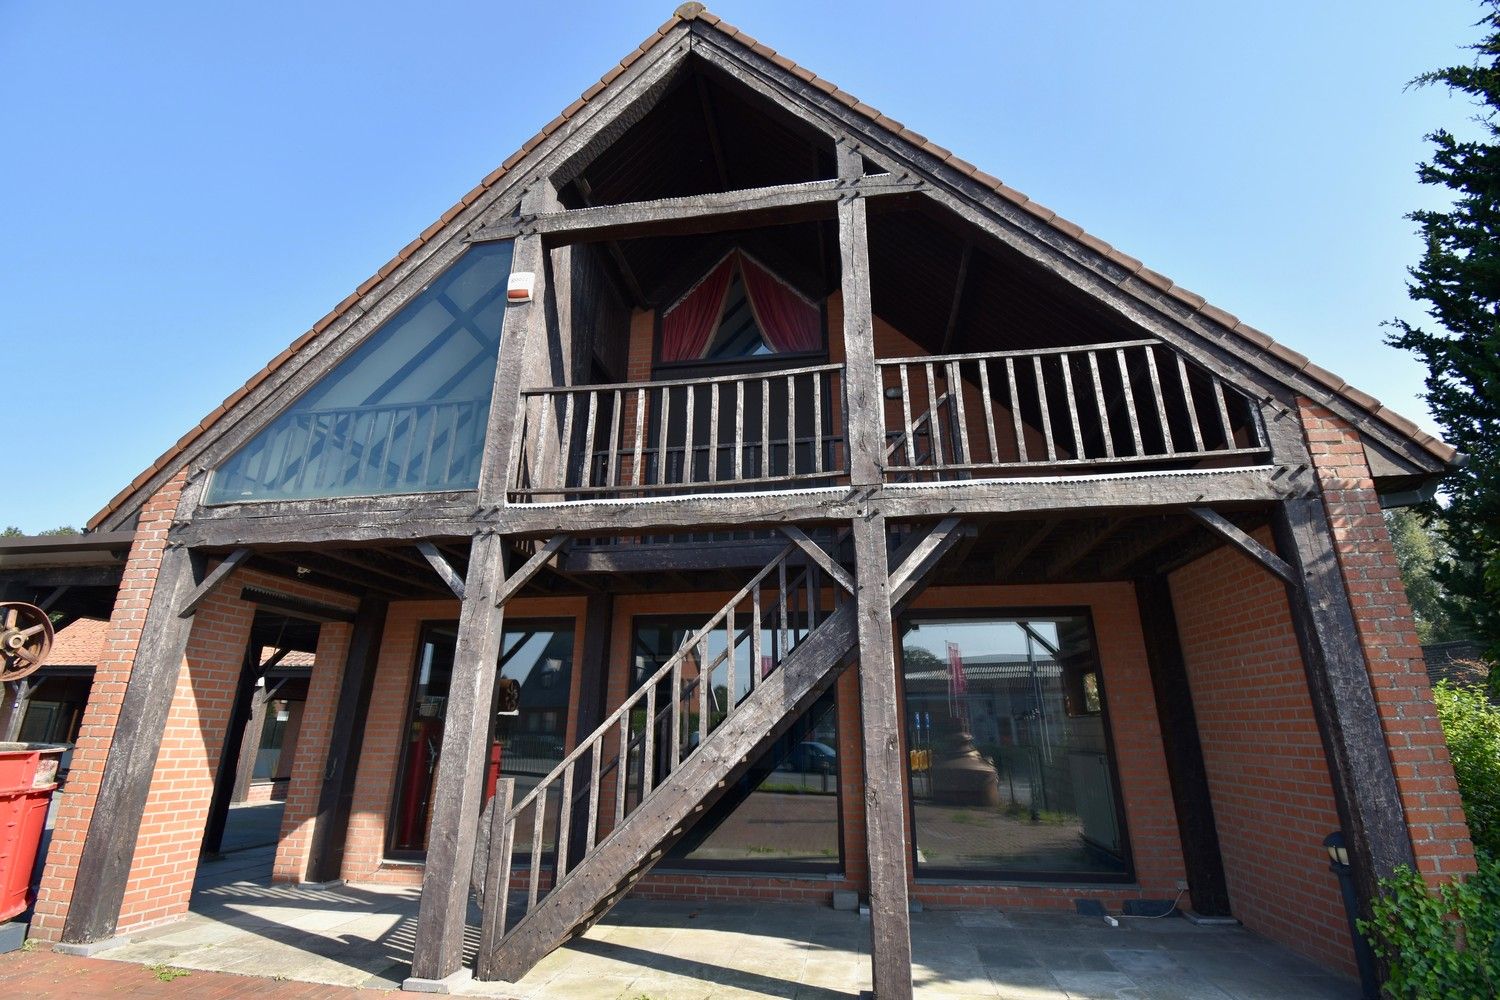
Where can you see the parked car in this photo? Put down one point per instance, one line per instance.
(811, 757)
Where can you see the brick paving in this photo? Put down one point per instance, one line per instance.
(44, 975)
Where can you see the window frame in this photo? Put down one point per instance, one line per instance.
(389, 852)
(936, 874)
(793, 869)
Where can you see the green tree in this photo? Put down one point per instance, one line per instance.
(1421, 551)
(1458, 278)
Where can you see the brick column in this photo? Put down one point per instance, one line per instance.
(1367, 562)
(76, 803)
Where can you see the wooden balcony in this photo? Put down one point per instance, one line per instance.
(1102, 407)
(729, 432)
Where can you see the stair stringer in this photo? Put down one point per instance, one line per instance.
(603, 876)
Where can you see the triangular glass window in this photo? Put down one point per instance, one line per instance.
(405, 412)
(739, 310)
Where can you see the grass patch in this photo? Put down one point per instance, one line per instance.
(166, 973)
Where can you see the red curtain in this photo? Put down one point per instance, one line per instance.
(790, 323)
(686, 328)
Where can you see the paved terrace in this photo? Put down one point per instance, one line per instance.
(361, 936)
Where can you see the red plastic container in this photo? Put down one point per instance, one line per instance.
(27, 780)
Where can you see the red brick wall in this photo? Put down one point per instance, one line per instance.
(306, 783)
(1272, 796)
(76, 803)
(1424, 773)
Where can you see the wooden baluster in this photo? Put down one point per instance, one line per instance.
(729, 644)
(1067, 370)
(817, 407)
(565, 444)
(587, 479)
(734, 690)
(739, 429)
(497, 873)
(538, 823)
(713, 432)
(536, 433)
(648, 761)
(640, 436)
(1015, 409)
(688, 473)
(676, 711)
(664, 397)
(622, 768)
(564, 824)
(1189, 402)
(765, 428)
(906, 426)
(614, 440)
(791, 426)
(1041, 394)
(934, 426)
(1109, 437)
(1135, 423)
(592, 837)
(1161, 402)
(782, 623)
(1223, 412)
(989, 410)
(703, 682)
(956, 395)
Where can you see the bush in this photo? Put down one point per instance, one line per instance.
(1471, 724)
(1443, 942)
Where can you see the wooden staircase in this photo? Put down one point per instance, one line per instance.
(696, 743)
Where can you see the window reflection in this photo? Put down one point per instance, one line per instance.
(528, 743)
(1009, 751)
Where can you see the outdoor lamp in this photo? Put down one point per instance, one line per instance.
(1338, 863)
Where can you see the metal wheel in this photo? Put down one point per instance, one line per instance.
(25, 639)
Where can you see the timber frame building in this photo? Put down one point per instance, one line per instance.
(737, 495)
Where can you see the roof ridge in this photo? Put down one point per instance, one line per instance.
(694, 11)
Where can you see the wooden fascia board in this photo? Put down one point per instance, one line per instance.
(369, 308)
(1224, 352)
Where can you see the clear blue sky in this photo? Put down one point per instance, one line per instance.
(186, 187)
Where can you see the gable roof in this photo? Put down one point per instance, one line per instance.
(687, 13)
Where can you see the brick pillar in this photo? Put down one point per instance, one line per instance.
(76, 804)
(1367, 562)
(312, 743)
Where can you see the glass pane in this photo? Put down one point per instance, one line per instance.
(1009, 763)
(404, 413)
(528, 743)
(784, 812)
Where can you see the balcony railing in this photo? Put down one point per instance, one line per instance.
(726, 432)
(1134, 403)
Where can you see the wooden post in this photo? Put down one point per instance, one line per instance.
(325, 853)
(109, 848)
(885, 771)
(1359, 760)
(1182, 747)
(593, 687)
(865, 413)
(17, 696)
(244, 770)
(227, 773)
(459, 788)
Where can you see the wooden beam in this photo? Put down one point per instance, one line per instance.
(438, 949)
(1080, 543)
(884, 765)
(702, 213)
(864, 412)
(815, 552)
(442, 567)
(951, 330)
(325, 855)
(211, 582)
(711, 125)
(522, 576)
(109, 847)
(1338, 678)
(1183, 748)
(227, 773)
(1231, 533)
(918, 561)
(1007, 563)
